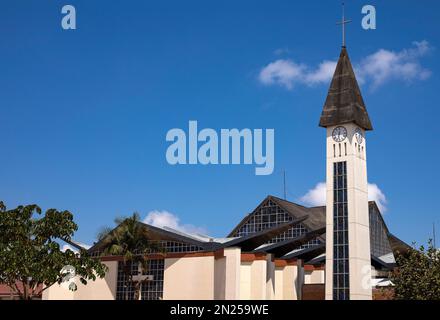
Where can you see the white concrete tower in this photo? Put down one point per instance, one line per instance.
(348, 260)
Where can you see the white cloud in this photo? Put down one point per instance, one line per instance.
(287, 73)
(317, 196)
(375, 69)
(322, 74)
(282, 72)
(375, 194)
(167, 219)
(385, 65)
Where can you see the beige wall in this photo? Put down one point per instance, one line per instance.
(220, 278)
(258, 279)
(100, 289)
(286, 283)
(245, 280)
(58, 292)
(230, 278)
(205, 277)
(232, 283)
(314, 277)
(227, 275)
(189, 278)
(279, 283)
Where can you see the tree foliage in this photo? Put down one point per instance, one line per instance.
(417, 276)
(30, 256)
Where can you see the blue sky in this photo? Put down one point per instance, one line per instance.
(85, 112)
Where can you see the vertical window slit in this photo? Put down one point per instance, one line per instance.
(341, 284)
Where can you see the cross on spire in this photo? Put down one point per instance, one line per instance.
(343, 22)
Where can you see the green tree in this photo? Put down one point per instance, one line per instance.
(417, 276)
(130, 240)
(30, 256)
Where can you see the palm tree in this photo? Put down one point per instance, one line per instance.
(131, 241)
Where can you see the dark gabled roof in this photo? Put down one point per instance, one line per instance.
(306, 254)
(380, 264)
(281, 248)
(398, 246)
(254, 240)
(319, 260)
(315, 216)
(155, 233)
(344, 101)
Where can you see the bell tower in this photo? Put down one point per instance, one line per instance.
(348, 261)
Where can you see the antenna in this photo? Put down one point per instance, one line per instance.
(433, 234)
(343, 22)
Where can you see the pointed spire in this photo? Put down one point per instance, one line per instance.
(344, 101)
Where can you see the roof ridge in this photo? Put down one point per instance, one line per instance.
(291, 202)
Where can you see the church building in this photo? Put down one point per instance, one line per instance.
(280, 250)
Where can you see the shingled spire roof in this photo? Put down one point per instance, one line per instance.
(344, 101)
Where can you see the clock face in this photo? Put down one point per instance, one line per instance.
(339, 134)
(359, 136)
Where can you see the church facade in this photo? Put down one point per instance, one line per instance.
(281, 250)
